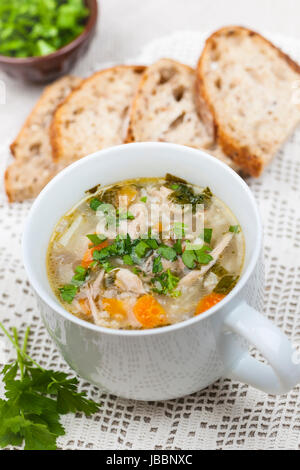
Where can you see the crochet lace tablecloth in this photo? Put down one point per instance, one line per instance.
(226, 415)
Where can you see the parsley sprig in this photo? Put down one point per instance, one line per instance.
(35, 399)
(193, 258)
(68, 291)
(166, 283)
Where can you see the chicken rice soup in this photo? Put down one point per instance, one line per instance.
(145, 253)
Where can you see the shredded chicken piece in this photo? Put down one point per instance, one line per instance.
(168, 264)
(96, 286)
(162, 194)
(147, 267)
(128, 281)
(129, 303)
(93, 307)
(193, 276)
(210, 282)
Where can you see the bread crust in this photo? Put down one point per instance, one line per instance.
(43, 98)
(241, 155)
(7, 185)
(29, 173)
(55, 127)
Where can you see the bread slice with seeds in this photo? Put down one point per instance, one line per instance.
(33, 166)
(95, 115)
(245, 88)
(164, 109)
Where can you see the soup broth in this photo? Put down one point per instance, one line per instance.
(145, 253)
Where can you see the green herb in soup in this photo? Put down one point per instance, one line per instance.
(145, 253)
(34, 28)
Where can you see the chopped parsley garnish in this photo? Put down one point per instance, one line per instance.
(80, 276)
(203, 256)
(234, 228)
(193, 257)
(68, 291)
(101, 255)
(35, 399)
(122, 245)
(136, 270)
(143, 199)
(171, 179)
(167, 252)
(219, 270)
(152, 243)
(142, 248)
(184, 194)
(128, 260)
(157, 265)
(189, 259)
(226, 284)
(165, 284)
(107, 266)
(177, 247)
(207, 235)
(95, 203)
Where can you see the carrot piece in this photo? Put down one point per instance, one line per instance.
(208, 302)
(88, 255)
(115, 308)
(85, 306)
(149, 312)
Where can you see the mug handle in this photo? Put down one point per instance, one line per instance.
(283, 373)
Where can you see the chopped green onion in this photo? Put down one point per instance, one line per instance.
(234, 229)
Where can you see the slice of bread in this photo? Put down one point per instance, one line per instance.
(164, 109)
(245, 88)
(33, 166)
(95, 115)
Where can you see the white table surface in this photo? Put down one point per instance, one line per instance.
(126, 25)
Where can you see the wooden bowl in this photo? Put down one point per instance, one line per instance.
(46, 68)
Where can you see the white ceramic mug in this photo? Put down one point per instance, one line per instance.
(176, 360)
